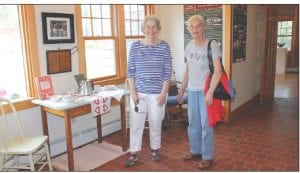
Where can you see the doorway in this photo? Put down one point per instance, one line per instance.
(271, 87)
(287, 61)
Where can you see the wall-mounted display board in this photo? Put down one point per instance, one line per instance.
(239, 34)
(59, 61)
(213, 16)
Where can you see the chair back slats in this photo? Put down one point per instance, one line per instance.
(8, 129)
(126, 87)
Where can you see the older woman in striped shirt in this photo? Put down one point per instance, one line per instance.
(148, 72)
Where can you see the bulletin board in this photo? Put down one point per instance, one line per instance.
(59, 61)
(213, 16)
(239, 34)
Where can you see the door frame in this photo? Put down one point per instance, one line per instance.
(268, 58)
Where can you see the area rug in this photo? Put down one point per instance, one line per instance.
(89, 157)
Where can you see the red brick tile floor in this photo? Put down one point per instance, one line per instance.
(264, 137)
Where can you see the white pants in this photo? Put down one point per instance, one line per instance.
(137, 121)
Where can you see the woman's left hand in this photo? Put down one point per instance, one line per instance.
(161, 99)
(208, 98)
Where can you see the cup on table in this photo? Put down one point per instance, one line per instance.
(71, 91)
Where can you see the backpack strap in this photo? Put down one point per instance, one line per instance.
(209, 55)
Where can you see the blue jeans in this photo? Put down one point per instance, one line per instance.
(201, 135)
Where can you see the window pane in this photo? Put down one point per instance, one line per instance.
(96, 12)
(280, 31)
(85, 11)
(140, 29)
(137, 14)
(134, 13)
(86, 27)
(289, 24)
(289, 31)
(284, 33)
(128, 28)
(127, 11)
(105, 11)
(141, 12)
(135, 28)
(100, 58)
(284, 24)
(11, 52)
(106, 27)
(97, 27)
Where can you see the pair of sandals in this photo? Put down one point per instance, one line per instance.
(203, 163)
(133, 158)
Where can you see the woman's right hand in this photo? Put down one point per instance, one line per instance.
(134, 97)
(180, 98)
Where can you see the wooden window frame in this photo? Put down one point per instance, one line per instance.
(31, 56)
(285, 28)
(136, 20)
(118, 33)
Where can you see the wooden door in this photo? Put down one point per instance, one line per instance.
(268, 63)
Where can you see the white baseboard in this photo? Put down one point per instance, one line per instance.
(59, 146)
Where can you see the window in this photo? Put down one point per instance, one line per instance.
(134, 15)
(99, 41)
(19, 63)
(284, 36)
(105, 33)
(11, 52)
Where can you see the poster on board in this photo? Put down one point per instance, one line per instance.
(213, 16)
(239, 34)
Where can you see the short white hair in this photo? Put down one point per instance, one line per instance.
(150, 18)
(197, 17)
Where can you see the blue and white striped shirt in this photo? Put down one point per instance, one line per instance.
(149, 66)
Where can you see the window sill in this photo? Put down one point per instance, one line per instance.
(20, 104)
(110, 81)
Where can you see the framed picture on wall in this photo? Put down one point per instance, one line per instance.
(239, 32)
(58, 61)
(57, 28)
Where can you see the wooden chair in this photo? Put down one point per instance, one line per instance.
(174, 110)
(17, 151)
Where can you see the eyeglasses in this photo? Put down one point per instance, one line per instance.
(136, 108)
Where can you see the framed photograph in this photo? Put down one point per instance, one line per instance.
(58, 28)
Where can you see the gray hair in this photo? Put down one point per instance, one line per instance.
(150, 18)
(197, 17)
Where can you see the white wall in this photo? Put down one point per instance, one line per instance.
(246, 74)
(60, 84)
(171, 18)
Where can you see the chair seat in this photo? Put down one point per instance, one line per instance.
(172, 100)
(24, 145)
